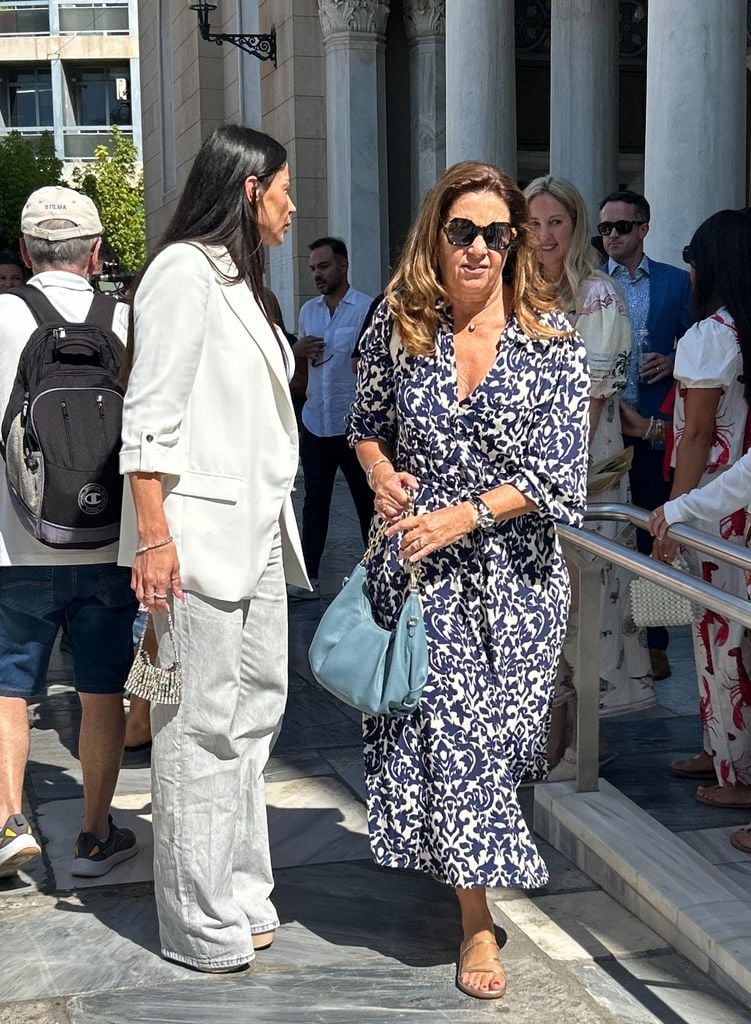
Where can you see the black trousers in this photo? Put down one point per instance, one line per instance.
(649, 490)
(321, 457)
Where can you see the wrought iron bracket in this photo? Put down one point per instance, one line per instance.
(261, 45)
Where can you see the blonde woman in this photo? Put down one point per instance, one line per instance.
(475, 401)
(595, 307)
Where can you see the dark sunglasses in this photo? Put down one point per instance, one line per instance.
(688, 255)
(623, 227)
(498, 235)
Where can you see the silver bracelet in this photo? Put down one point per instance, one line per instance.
(369, 470)
(153, 547)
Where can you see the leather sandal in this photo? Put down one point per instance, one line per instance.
(741, 840)
(263, 940)
(712, 796)
(480, 968)
(684, 769)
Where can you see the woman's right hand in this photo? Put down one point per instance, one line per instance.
(392, 492)
(155, 573)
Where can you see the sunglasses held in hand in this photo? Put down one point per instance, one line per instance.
(498, 235)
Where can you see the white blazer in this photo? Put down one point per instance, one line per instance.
(208, 406)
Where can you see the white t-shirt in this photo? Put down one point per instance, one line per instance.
(72, 295)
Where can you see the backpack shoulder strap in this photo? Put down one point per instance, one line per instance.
(41, 308)
(102, 311)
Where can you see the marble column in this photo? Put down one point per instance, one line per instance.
(584, 96)
(354, 43)
(481, 82)
(696, 117)
(425, 24)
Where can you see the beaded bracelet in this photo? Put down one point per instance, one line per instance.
(153, 547)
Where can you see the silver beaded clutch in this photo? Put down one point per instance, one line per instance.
(152, 683)
(653, 605)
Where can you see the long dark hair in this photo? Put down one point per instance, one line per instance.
(720, 253)
(214, 208)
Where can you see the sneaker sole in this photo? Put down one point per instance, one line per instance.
(85, 868)
(16, 854)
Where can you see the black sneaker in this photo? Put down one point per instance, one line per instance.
(98, 856)
(17, 845)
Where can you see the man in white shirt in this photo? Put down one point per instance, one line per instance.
(41, 586)
(328, 330)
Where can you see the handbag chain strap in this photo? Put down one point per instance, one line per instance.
(170, 627)
(414, 568)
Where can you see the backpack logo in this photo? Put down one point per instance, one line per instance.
(92, 499)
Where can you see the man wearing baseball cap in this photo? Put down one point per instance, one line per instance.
(41, 586)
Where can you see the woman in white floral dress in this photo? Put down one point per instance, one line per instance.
(712, 372)
(596, 309)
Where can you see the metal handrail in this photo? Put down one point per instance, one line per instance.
(702, 593)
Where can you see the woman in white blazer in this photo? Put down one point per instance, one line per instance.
(210, 448)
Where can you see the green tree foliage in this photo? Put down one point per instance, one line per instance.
(115, 183)
(24, 166)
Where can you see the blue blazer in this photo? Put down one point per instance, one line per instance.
(670, 316)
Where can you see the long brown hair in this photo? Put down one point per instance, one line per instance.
(416, 295)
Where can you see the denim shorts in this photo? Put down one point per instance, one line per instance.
(99, 607)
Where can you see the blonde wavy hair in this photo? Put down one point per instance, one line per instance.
(415, 293)
(580, 260)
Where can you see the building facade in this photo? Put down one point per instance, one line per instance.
(70, 67)
(373, 98)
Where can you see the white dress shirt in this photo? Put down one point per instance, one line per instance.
(331, 380)
(72, 295)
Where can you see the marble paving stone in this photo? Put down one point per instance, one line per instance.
(295, 764)
(714, 845)
(740, 873)
(581, 926)
(564, 876)
(368, 994)
(723, 922)
(341, 733)
(396, 914)
(347, 762)
(658, 989)
(85, 944)
(52, 1011)
(314, 821)
(643, 736)
(59, 823)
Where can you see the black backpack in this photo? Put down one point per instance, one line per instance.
(61, 429)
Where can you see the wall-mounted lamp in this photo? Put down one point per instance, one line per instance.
(261, 46)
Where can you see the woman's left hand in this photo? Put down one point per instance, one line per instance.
(658, 524)
(424, 534)
(665, 550)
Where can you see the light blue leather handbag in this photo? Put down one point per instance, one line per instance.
(378, 671)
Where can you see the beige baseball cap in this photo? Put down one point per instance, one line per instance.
(54, 202)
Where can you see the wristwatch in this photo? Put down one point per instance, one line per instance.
(485, 518)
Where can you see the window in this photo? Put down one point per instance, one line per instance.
(26, 96)
(93, 17)
(24, 19)
(101, 96)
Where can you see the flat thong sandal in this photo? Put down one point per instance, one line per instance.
(741, 840)
(480, 993)
(709, 795)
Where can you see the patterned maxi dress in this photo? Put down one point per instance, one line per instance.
(709, 356)
(442, 782)
(625, 670)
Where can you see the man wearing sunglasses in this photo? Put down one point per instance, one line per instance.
(658, 297)
(328, 329)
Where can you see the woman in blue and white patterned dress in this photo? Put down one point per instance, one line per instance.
(473, 395)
